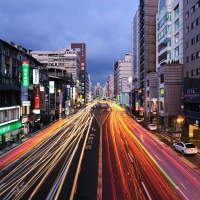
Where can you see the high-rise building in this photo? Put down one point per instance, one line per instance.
(146, 46)
(191, 74)
(84, 81)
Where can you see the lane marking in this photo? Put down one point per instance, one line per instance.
(146, 191)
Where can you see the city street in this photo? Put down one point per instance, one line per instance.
(98, 154)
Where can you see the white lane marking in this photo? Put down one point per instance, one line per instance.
(130, 157)
(146, 191)
(183, 195)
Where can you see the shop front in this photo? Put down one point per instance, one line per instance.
(9, 133)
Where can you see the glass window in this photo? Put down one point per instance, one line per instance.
(176, 24)
(186, 15)
(168, 54)
(187, 29)
(176, 51)
(193, 72)
(193, 56)
(198, 38)
(176, 10)
(161, 6)
(176, 37)
(193, 40)
(161, 105)
(198, 4)
(193, 24)
(187, 1)
(198, 71)
(187, 59)
(193, 9)
(161, 92)
(198, 21)
(198, 54)
(187, 44)
(162, 78)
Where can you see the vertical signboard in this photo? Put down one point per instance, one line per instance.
(37, 97)
(42, 98)
(47, 104)
(67, 93)
(36, 76)
(25, 73)
(51, 87)
(136, 101)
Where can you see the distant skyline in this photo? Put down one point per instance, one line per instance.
(104, 26)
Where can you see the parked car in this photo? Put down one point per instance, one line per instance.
(138, 119)
(185, 148)
(152, 127)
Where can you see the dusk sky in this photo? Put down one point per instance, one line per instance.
(104, 25)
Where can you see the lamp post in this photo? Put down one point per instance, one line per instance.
(180, 122)
(60, 104)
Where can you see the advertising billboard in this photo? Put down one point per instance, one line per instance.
(25, 74)
(126, 85)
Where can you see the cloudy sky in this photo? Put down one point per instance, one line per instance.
(104, 25)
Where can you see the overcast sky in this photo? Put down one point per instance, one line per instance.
(104, 25)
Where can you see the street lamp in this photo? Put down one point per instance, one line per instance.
(180, 121)
(60, 103)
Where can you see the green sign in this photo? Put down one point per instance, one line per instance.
(25, 74)
(10, 127)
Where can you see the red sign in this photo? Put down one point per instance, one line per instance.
(37, 97)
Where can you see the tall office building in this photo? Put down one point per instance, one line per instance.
(84, 80)
(191, 74)
(146, 48)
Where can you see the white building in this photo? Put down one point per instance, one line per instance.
(67, 59)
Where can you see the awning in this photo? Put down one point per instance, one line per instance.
(9, 87)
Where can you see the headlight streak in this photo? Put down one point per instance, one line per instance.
(53, 163)
(79, 164)
(74, 144)
(161, 169)
(61, 177)
(137, 147)
(110, 166)
(122, 166)
(169, 161)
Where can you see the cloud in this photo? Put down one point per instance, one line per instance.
(104, 25)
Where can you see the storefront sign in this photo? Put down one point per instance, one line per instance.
(26, 103)
(10, 127)
(35, 76)
(25, 73)
(37, 97)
